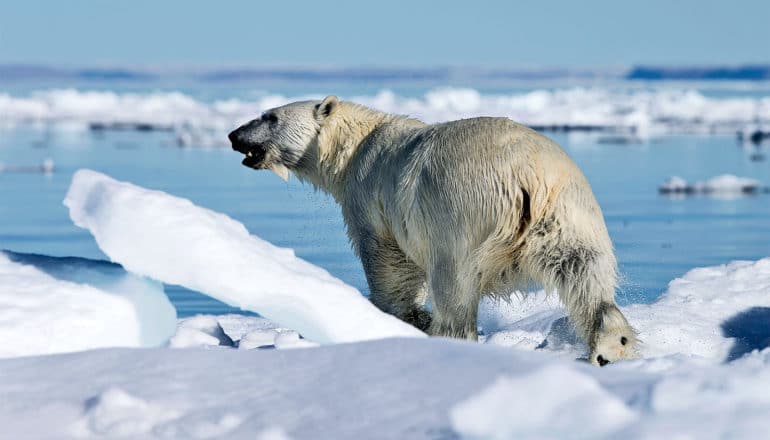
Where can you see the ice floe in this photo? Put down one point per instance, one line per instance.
(170, 239)
(55, 304)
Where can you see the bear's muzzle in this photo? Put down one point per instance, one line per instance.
(255, 153)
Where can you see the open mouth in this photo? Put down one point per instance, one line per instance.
(255, 154)
(253, 159)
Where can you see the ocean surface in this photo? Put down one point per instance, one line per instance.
(628, 136)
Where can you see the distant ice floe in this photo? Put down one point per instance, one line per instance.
(46, 167)
(170, 239)
(632, 113)
(55, 305)
(725, 185)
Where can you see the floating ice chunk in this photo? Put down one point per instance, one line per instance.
(53, 305)
(197, 331)
(555, 401)
(238, 326)
(257, 338)
(728, 183)
(186, 337)
(48, 166)
(291, 339)
(171, 239)
(674, 184)
(725, 185)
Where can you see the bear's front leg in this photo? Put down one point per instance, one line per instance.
(396, 284)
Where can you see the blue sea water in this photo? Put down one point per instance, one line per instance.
(657, 238)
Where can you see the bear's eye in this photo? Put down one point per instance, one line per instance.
(269, 117)
(623, 340)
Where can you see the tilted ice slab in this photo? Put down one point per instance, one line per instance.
(170, 239)
(54, 305)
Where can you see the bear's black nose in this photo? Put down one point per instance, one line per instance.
(601, 361)
(233, 136)
(237, 143)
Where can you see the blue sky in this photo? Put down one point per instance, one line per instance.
(395, 32)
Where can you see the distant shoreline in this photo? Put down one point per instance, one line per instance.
(10, 72)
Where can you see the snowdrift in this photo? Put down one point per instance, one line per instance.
(54, 305)
(717, 313)
(170, 239)
(415, 388)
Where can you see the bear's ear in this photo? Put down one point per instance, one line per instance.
(326, 108)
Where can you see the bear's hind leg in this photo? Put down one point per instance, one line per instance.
(585, 279)
(396, 283)
(455, 301)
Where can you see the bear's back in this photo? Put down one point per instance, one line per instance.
(483, 142)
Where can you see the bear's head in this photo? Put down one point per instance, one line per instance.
(281, 137)
(614, 339)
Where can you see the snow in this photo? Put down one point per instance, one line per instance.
(714, 312)
(114, 412)
(55, 305)
(393, 388)
(199, 123)
(722, 307)
(704, 371)
(199, 331)
(505, 410)
(170, 239)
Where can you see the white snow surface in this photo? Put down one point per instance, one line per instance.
(199, 123)
(715, 313)
(55, 305)
(393, 388)
(704, 374)
(503, 411)
(172, 240)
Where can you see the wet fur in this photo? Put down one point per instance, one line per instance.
(459, 210)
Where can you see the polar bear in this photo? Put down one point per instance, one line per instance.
(451, 212)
